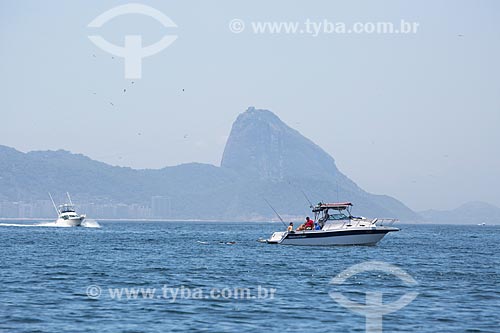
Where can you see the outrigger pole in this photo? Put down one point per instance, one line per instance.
(54, 204)
(275, 212)
(70, 202)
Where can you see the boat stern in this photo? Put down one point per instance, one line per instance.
(276, 237)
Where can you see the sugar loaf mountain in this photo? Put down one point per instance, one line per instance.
(263, 158)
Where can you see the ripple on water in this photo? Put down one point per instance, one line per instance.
(45, 273)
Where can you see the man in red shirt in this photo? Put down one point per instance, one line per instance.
(309, 224)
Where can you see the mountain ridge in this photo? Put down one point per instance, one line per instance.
(263, 158)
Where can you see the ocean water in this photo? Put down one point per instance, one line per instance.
(50, 279)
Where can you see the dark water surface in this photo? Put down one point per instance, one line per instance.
(46, 272)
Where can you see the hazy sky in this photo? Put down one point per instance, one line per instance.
(413, 116)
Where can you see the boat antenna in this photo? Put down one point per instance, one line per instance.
(305, 196)
(338, 191)
(54, 204)
(275, 212)
(69, 198)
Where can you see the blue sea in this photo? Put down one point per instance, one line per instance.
(70, 279)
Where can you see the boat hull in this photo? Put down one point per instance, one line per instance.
(331, 238)
(71, 222)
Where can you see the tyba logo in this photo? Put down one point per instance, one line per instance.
(132, 50)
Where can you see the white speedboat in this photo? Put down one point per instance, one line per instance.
(336, 226)
(66, 214)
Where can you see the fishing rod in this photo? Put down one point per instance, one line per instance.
(275, 212)
(305, 196)
(303, 193)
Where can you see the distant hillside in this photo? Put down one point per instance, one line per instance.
(263, 158)
(468, 213)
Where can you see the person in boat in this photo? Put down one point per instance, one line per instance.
(290, 227)
(317, 226)
(324, 219)
(308, 225)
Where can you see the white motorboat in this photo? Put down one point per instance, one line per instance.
(66, 214)
(336, 226)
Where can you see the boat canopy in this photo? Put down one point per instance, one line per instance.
(337, 206)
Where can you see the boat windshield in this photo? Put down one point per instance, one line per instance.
(338, 216)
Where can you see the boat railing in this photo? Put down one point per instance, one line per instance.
(341, 224)
(358, 223)
(361, 223)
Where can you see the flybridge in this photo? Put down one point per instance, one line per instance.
(67, 208)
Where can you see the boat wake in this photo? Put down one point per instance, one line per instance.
(85, 224)
(90, 224)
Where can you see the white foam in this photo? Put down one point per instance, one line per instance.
(15, 225)
(91, 224)
(50, 224)
(85, 224)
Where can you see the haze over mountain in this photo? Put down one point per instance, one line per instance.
(470, 212)
(263, 158)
